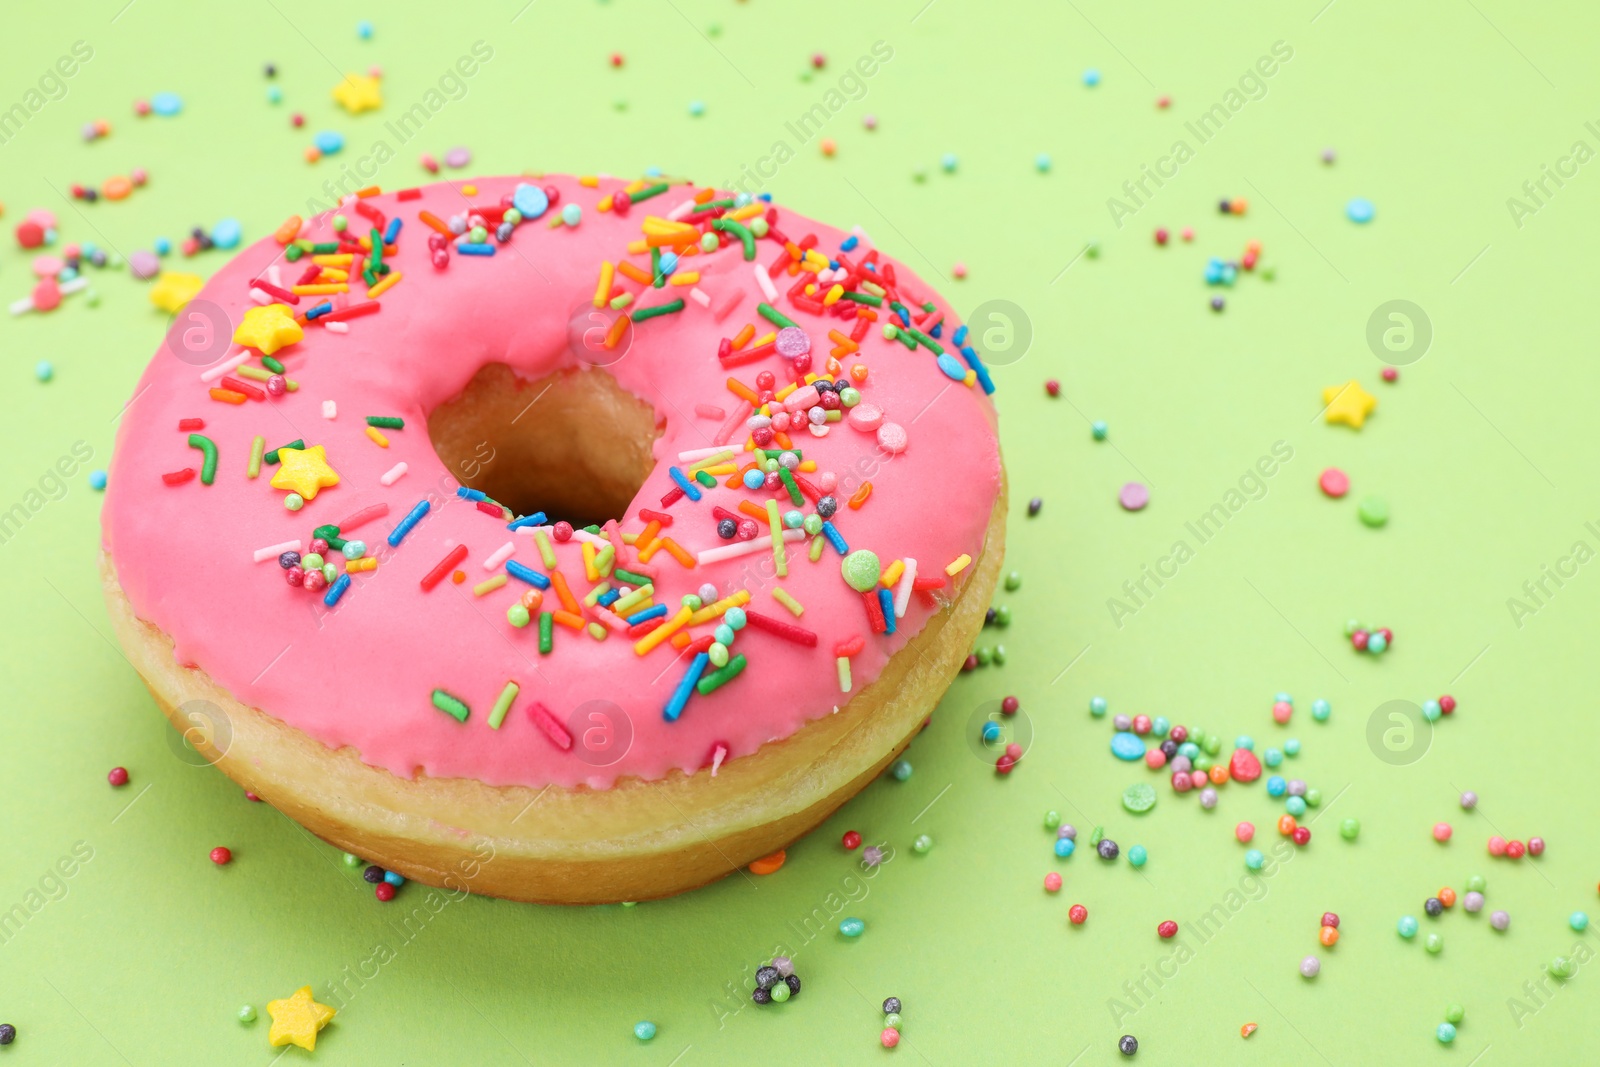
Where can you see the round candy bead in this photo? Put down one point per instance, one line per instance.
(1535, 846)
(1107, 849)
(1447, 897)
(890, 1037)
(1497, 845)
(1127, 1044)
(1065, 846)
(247, 1014)
(1052, 882)
(780, 991)
(1254, 859)
(1433, 906)
(852, 927)
(851, 840)
(1291, 748)
(1122, 723)
(1068, 831)
(645, 1030)
(1477, 883)
(1454, 1013)
(221, 855)
(1286, 825)
(1138, 856)
(1578, 921)
(1208, 798)
(1446, 1033)
(1515, 850)
(901, 769)
(1310, 967)
(1499, 920)
(1441, 831)
(1561, 967)
(1328, 936)
(1473, 901)
(1330, 919)
(1077, 914)
(1407, 927)
(1320, 710)
(1349, 829)
(922, 844)
(1244, 831)
(1434, 944)
(1167, 929)
(1272, 757)
(1301, 835)
(1276, 786)
(1295, 806)
(1052, 819)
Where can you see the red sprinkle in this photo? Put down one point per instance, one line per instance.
(550, 725)
(655, 516)
(850, 646)
(874, 611)
(435, 576)
(191, 425)
(788, 631)
(178, 477)
(362, 517)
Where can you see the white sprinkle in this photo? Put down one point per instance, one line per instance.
(274, 275)
(745, 548)
(902, 595)
(330, 410)
(274, 551)
(698, 297)
(23, 306)
(764, 280)
(393, 474)
(500, 555)
(594, 539)
(337, 327)
(681, 210)
(225, 366)
(698, 453)
(76, 285)
(259, 296)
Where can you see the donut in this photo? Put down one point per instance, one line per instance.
(559, 539)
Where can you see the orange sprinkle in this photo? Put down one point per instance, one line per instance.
(677, 551)
(704, 195)
(648, 551)
(738, 477)
(458, 577)
(648, 537)
(782, 439)
(743, 391)
(559, 582)
(768, 864)
(289, 230)
(370, 190)
(759, 514)
(434, 223)
(741, 339)
(628, 270)
(228, 396)
(618, 328)
(842, 341)
(681, 639)
(568, 619)
(860, 496)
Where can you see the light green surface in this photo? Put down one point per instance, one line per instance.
(1483, 450)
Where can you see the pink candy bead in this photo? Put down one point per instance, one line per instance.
(1497, 845)
(1155, 759)
(1281, 710)
(1441, 831)
(1052, 882)
(1244, 831)
(1141, 724)
(1198, 779)
(1535, 846)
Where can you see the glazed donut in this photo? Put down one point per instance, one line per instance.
(563, 539)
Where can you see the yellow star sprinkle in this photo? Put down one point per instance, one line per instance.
(297, 1019)
(304, 471)
(1348, 403)
(267, 329)
(358, 93)
(172, 290)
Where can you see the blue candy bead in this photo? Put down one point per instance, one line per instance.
(1127, 746)
(1065, 846)
(1276, 786)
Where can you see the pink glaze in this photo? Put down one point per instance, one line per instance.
(361, 674)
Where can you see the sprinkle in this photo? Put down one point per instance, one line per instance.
(834, 539)
(843, 663)
(526, 574)
(365, 563)
(389, 282)
(641, 314)
(393, 474)
(450, 705)
(685, 686)
(602, 288)
(499, 556)
(274, 551)
(386, 422)
(787, 631)
(377, 437)
(228, 396)
(886, 607)
(690, 490)
(741, 548)
(225, 367)
(774, 316)
(208, 453)
(902, 596)
(718, 678)
(546, 633)
(550, 726)
(398, 534)
(764, 280)
(489, 585)
(178, 477)
(664, 631)
(336, 590)
(958, 565)
(780, 560)
(502, 703)
(258, 446)
(874, 608)
(330, 409)
(782, 596)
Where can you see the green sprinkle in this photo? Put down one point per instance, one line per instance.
(386, 422)
(630, 577)
(773, 315)
(708, 481)
(547, 624)
(293, 253)
(924, 340)
(659, 309)
(272, 457)
(646, 194)
(208, 453)
(502, 704)
(794, 490)
(656, 277)
(272, 364)
(323, 248)
(1097, 836)
(450, 705)
(720, 677)
(739, 231)
(863, 298)
(257, 446)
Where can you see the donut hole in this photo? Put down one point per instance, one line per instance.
(574, 445)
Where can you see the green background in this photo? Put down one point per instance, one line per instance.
(1439, 113)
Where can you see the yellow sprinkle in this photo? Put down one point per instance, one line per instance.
(970, 379)
(389, 282)
(833, 295)
(365, 563)
(782, 394)
(664, 631)
(624, 605)
(749, 211)
(958, 565)
(470, 190)
(339, 259)
(721, 469)
(713, 611)
(844, 674)
(319, 290)
(780, 559)
(597, 631)
(602, 289)
(489, 585)
(684, 277)
(589, 181)
(588, 563)
(377, 437)
(782, 596)
(714, 458)
(334, 274)
(766, 338)
(807, 466)
(892, 574)
(816, 548)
